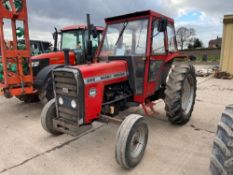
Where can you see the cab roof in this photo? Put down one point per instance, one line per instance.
(80, 27)
(136, 15)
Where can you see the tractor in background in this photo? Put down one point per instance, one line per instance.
(71, 37)
(38, 69)
(136, 64)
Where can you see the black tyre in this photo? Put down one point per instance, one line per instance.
(46, 93)
(222, 155)
(33, 98)
(131, 141)
(47, 116)
(180, 93)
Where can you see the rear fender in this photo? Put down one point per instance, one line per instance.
(42, 76)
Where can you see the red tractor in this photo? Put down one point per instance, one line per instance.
(29, 78)
(137, 63)
(72, 37)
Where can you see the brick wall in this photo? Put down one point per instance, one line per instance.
(200, 52)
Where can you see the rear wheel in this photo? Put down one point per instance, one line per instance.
(180, 93)
(47, 116)
(222, 155)
(131, 141)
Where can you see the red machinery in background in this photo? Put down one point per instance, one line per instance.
(30, 79)
(17, 80)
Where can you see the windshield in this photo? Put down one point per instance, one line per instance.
(125, 39)
(72, 40)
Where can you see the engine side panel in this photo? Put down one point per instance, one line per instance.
(96, 77)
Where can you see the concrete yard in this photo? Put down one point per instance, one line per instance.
(172, 150)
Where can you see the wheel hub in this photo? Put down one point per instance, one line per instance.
(137, 142)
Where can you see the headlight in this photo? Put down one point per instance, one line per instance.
(60, 101)
(73, 104)
(35, 63)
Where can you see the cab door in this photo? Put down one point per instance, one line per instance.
(159, 53)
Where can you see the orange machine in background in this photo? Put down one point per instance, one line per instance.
(15, 66)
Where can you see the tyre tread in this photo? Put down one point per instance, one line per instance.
(222, 154)
(173, 91)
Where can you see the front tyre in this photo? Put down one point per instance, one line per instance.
(180, 93)
(47, 116)
(131, 141)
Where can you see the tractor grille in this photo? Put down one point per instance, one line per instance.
(67, 90)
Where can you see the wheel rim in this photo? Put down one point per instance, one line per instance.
(187, 94)
(137, 142)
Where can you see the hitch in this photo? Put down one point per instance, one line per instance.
(151, 111)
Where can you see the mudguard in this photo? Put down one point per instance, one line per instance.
(43, 74)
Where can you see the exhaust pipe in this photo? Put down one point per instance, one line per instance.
(89, 42)
(55, 37)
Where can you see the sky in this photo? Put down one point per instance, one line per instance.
(205, 16)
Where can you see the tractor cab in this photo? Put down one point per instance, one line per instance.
(74, 37)
(146, 40)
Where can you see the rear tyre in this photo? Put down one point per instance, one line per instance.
(47, 116)
(46, 93)
(221, 162)
(131, 141)
(180, 93)
(31, 98)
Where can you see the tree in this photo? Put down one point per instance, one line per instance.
(184, 35)
(195, 43)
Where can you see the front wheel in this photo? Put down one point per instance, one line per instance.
(47, 116)
(131, 141)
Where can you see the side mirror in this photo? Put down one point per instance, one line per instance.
(162, 27)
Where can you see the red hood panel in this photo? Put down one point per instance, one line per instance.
(48, 55)
(55, 57)
(103, 69)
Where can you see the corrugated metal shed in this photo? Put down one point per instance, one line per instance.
(227, 46)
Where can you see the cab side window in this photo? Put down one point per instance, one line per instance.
(171, 38)
(158, 40)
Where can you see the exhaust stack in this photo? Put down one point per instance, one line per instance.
(89, 42)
